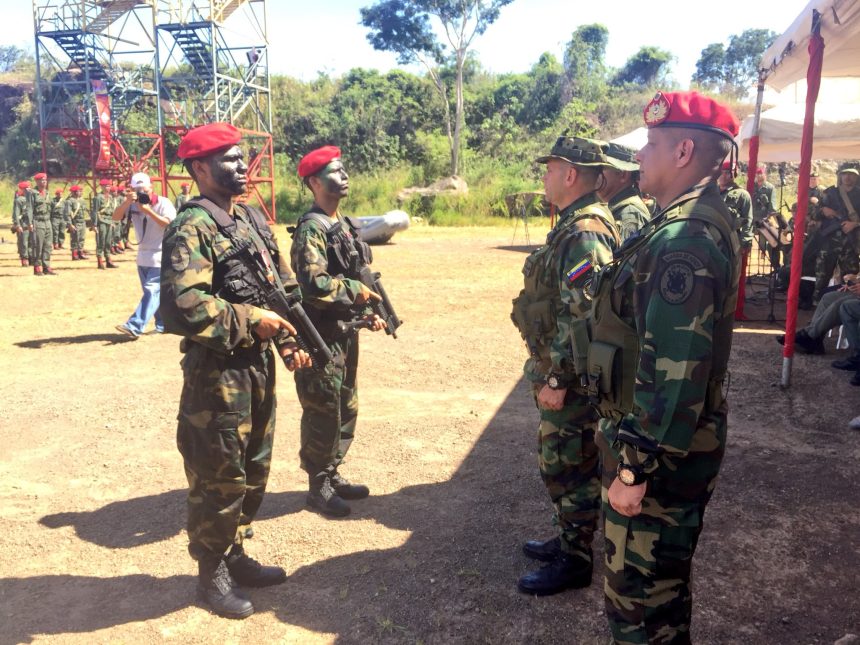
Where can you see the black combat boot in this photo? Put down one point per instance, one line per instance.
(545, 551)
(346, 490)
(249, 573)
(808, 344)
(565, 572)
(217, 589)
(852, 363)
(323, 498)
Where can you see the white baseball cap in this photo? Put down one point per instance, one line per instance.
(140, 180)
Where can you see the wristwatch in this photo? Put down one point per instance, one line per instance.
(553, 382)
(630, 475)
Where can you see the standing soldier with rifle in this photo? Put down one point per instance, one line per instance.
(58, 229)
(839, 236)
(210, 295)
(75, 220)
(550, 313)
(40, 207)
(183, 196)
(330, 260)
(101, 221)
(22, 222)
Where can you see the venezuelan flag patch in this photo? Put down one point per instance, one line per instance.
(580, 270)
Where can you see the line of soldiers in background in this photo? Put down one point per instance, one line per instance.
(41, 222)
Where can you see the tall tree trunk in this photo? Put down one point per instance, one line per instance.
(458, 114)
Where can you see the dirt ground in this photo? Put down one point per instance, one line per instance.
(92, 545)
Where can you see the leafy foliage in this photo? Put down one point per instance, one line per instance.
(733, 69)
(649, 67)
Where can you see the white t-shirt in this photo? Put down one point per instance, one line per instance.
(149, 234)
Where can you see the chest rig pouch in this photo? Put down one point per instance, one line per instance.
(535, 309)
(232, 279)
(346, 253)
(613, 355)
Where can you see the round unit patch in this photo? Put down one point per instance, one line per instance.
(676, 283)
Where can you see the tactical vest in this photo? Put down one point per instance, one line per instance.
(613, 355)
(346, 253)
(535, 308)
(232, 278)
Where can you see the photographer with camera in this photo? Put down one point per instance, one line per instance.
(149, 214)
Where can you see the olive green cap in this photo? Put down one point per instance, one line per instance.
(621, 157)
(848, 167)
(578, 151)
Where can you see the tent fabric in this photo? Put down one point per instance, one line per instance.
(837, 132)
(635, 139)
(786, 60)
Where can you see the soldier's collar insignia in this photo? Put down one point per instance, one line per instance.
(657, 111)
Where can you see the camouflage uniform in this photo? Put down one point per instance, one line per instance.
(630, 212)
(550, 314)
(180, 200)
(740, 207)
(227, 407)
(763, 205)
(75, 218)
(101, 218)
(329, 289)
(40, 206)
(57, 221)
(665, 310)
(833, 247)
(22, 216)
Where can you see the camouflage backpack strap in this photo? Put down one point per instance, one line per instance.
(595, 218)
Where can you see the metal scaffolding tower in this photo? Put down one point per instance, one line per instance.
(118, 82)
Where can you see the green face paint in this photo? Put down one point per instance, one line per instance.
(334, 179)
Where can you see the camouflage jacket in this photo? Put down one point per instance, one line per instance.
(180, 201)
(102, 209)
(832, 198)
(577, 244)
(74, 211)
(629, 210)
(324, 293)
(57, 205)
(678, 290)
(762, 199)
(740, 206)
(21, 211)
(194, 262)
(40, 205)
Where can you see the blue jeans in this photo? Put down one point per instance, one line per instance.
(150, 281)
(849, 313)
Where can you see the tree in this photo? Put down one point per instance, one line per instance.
(403, 27)
(710, 68)
(10, 56)
(742, 59)
(648, 66)
(584, 67)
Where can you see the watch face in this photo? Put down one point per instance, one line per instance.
(626, 476)
(552, 381)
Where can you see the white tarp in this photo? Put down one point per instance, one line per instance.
(787, 58)
(837, 132)
(636, 139)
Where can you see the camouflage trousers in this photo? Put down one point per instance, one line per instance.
(24, 244)
(568, 460)
(225, 433)
(59, 230)
(329, 409)
(78, 235)
(44, 239)
(104, 231)
(648, 558)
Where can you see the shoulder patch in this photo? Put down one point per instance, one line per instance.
(180, 256)
(678, 276)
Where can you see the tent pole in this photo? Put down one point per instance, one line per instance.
(813, 83)
(753, 156)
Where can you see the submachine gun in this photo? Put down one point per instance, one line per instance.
(287, 306)
(382, 308)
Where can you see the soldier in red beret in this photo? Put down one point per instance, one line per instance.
(663, 434)
(183, 196)
(22, 222)
(75, 219)
(43, 232)
(327, 255)
(101, 221)
(58, 229)
(227, 408)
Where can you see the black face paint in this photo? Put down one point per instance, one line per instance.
(229, 170)
(334, 179)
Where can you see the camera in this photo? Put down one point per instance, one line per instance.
(143, 198)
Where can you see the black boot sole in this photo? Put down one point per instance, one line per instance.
(345, 494)
(551, 591)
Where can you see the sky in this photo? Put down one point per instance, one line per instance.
(307, 38)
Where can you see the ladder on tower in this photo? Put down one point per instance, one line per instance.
(223, 9)
(111, 11)
(71, 42)
(197, 51)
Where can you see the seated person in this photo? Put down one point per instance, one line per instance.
(810, 339)
(849, 314)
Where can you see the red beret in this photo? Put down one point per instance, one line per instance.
(185, 184)
(40, 175)
(75, 189)
(104, 182)
(23, 185)
(761, 170)
(208, 139)
(59, 191)
(317, 159)
(691, 110)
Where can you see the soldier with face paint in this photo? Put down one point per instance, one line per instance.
(227, 409)
(327, 256)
